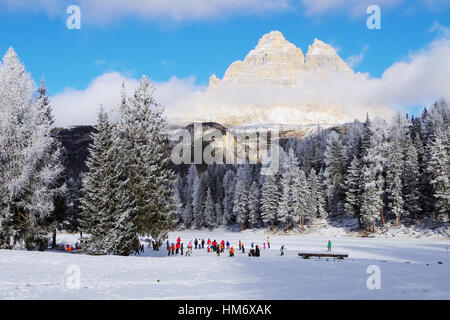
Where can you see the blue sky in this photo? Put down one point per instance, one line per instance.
(162, 46)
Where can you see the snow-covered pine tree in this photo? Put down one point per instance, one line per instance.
(46, 184)
(30, 159)
(423, 181)
(178, 189)
(433, 119)
(219, 214)
(318, 201)
(240, 199)
(254, 205)
(210, 216)
(372, 182)
(394, 187)
(398, 137)
(334, 173)
(438, 167)
(270, 199)
(411, 181)
(285, 213)
(188, 212)
(353, 190)
(229, 185)
(145, 165)
(301, 201)
(98, 193)
(16, 89)
(353, 140)
(201, 185)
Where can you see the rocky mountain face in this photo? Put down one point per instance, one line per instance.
(277, 62)
(275, 84)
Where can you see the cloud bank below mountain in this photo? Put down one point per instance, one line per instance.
(420, 79)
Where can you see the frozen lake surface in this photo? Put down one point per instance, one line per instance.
(409, 269)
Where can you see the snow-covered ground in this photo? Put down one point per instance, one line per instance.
(409, 269)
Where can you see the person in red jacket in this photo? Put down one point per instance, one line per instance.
(173, 249)
(177, 248)
(179, 240)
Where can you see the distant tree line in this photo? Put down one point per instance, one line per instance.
(374, 171)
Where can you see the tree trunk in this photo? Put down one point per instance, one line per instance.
(359, 223)
(54, 239)
(382, 215)
(397, 221)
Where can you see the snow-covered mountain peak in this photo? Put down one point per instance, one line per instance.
(322, 56)
(273, 40)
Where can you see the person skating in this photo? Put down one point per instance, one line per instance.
(240, 245)
(196, 243)
(231, 252)
(173, 248)
(189, 249)
(177, 247)
(218, 250)
(282, 250)
(181, 248)
(168, 245)
(329, 246)
(203, 243)
(264, 245)
(243, 249)
(168, 250)
(179, 240)
(268, 242)
(228, 244)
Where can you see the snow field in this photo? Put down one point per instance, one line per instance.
(409, 270)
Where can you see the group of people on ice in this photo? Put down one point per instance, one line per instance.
(219, 247)
(216, 247)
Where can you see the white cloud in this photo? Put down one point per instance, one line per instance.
(76, 107)
(355, 60)
(353, 7)
(421, 79)
(358, 7)
(106, 11)
(442, 31)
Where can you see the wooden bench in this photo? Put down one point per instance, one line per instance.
(339, 256)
